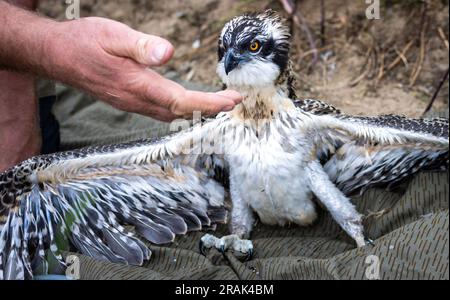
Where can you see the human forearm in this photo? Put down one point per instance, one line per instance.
(19, 129)
(23, 37)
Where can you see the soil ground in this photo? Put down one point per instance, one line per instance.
(368, 67)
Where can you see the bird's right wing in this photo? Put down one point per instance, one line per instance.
(85, 197)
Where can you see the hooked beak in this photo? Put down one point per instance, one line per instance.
(231, 61)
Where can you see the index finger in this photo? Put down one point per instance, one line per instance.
(207, 103)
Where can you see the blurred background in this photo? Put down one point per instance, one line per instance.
(390, 65)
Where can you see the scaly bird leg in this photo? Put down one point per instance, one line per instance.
(242, 220)
(340, 207)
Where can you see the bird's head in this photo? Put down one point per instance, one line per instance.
(253, 50)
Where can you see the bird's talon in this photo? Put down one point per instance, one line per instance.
(202, 248)
(369, 242)
(249, 255)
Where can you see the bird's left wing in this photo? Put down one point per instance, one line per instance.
(84, 197)
(360, 152)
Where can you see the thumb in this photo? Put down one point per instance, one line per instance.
(145, 49)
(150, 50)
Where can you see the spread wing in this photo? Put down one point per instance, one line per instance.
(84, 198)
(360, 152)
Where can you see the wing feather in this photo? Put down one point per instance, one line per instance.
(358, 153)
(84, 197)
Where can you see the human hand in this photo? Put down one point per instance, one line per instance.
(111, 61)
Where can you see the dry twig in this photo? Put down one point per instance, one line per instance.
(443, 37)
(419, 62)
(401, 56)
(368, 66)
(300, 21)
(322, 23)
(441, 83)
(381, 69)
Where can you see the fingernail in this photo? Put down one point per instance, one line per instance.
(159, 52)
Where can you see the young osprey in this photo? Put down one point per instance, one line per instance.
(278, 155)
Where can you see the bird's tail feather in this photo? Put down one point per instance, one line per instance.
(90, 214)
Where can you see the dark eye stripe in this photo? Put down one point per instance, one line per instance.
(267, 48)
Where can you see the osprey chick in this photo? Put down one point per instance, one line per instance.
(279, 154)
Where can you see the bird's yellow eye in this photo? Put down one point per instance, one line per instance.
(254, 46)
